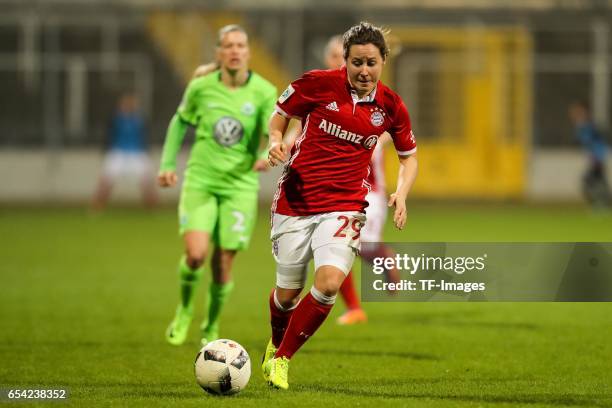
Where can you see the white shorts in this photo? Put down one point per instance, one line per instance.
(129, 164)
(329, 238)
(376, 213)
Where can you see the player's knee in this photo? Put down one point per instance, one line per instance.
(195, 259)
(287, 299)
(321, 296)
(328, 287)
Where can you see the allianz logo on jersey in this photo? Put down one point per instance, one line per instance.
(337, 131)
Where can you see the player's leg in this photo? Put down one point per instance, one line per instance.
(291, 249)
(102, 194)
(371, 233)
(332, 263)
(380, 250)
(335, 240)
(291, 271)
(147, 179)
(236, 221)
(376, 213)
(311, 311)
(197, 212)
(219, 292)
(354, 314)
(282, 303)
(111, 169)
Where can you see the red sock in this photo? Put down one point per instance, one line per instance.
(278, 320)
(308, 317)
(349, 294)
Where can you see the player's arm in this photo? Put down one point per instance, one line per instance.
(293, 130)
(187, 114)
(405, 180)
(277, 150)
(267, 110)
(405, 145)
(384, 139)
(174, 139)
(295, 102)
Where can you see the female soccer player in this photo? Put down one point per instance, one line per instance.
(230, 109)
(319, 207)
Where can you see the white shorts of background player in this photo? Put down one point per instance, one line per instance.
(126, 164)
(376, 214)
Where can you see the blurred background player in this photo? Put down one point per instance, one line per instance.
(127, 154)
(314, 215)
(594, 183)
(230, 109)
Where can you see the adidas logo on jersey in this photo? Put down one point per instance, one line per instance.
(333, 106)
(337, 131)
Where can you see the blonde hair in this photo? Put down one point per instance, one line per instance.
(230, 28)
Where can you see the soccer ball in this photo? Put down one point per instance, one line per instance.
(223, 367)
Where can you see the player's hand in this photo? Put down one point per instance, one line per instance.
(399, 216)
(277, 154)
(167, 179)
(261, 165)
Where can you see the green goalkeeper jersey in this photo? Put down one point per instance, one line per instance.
(230, 124)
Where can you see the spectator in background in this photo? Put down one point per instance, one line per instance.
(594, 183)
(127, 155)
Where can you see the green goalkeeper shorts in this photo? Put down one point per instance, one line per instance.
(229, 219)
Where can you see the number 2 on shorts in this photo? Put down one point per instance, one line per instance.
(239, 225)
(355, 226)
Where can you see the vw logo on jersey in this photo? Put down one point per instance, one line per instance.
(228, 131)
(377, 118)
(248, 109)
(370, 142)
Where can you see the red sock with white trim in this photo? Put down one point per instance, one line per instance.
(307, 318)
(279, 319)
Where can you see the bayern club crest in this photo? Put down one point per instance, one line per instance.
(370, 142)
(377, 118)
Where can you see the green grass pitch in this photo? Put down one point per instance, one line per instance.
(85, 300)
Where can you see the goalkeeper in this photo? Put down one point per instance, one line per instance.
(230, 108)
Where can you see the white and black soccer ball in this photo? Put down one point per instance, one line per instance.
(223, 367)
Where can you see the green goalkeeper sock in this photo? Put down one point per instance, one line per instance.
(190, 278)
(218, 294)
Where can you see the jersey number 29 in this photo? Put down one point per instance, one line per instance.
(355, 226)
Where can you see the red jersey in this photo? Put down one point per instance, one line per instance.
(329, 163)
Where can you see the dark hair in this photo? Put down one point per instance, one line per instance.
(229, 29)
(365, 33)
